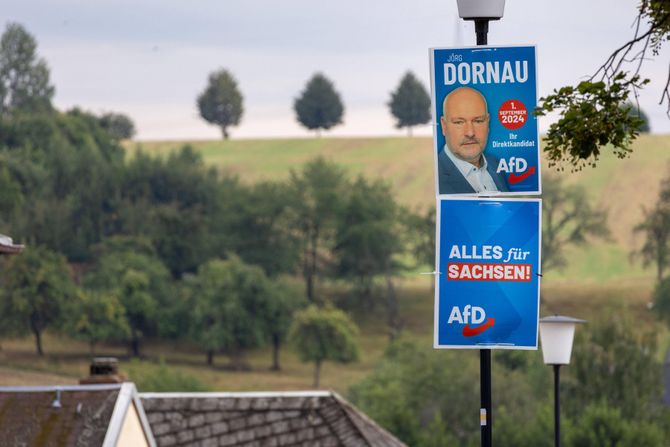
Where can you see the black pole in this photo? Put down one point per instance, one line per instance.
(482, 30)
(485, 415)
(485, 386)
(557, 406)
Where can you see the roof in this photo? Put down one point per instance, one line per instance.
(80, 415)
(7, 246)
(319, 418)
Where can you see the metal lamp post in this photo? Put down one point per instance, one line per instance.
(481, 12)
(556, 335)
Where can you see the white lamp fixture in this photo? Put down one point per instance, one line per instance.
(481, 9)
(481, 12)
(556, 335)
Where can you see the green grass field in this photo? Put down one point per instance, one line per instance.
(599, 278)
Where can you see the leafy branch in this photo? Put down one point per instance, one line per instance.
(597, 113)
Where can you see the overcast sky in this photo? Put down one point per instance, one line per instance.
(150, 58)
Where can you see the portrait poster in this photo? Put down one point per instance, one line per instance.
(486, 137)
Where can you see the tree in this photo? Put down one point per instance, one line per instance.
(324, 334)
(99, 317)
(37, 289)
(410, 103)
(368, 239)
(118, 125)
(282, 303)
(567, 218)
(221, 101)
(230, 308)
(637, 112)
(591, 116)
(319, 106)
(316, 197)
(24, 79)
(140, 282)
(656, 228)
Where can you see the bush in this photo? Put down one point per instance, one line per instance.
(149, 377)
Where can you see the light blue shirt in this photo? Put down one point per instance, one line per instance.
(478, 177)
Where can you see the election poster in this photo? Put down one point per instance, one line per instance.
(487, 291)
(486, 137)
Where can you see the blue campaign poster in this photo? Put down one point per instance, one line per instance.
(487, 291)
(486, 137)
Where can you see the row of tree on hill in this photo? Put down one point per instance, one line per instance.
(318, 107)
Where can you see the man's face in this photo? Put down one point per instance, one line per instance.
(465, 125)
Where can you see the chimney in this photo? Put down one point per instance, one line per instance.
(103, 370)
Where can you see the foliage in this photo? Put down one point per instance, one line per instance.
(637, 112)
(661, 300)
(324, 334)
(420, 227)
(260, 219)
(316, 198)
(367, 242)
(36, 292)
(567, 218)
(118, 125)
(282, 302)
(230, 308)
(594, 113)
(141, 284)
(413, 392)
(24, 79)
(221, 101)
(614, 363)
(601, 425)
(656, 228)
(98, 317)
(152, 378)
(161, 199)
(319, 106)
(410, 103)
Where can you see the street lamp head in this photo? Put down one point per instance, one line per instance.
(481, 9)
(556, 335)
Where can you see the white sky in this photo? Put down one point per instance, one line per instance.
(149, 59)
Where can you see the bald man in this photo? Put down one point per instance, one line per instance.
(462, 167)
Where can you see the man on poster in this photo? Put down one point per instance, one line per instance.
(463, 167)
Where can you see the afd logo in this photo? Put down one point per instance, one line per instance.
(471, 315)
(517, 168)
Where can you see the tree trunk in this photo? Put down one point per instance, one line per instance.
(276, 344)
(310, 265)
(134, 345)
(38, 342)
(409, 131)
(659, 269)
(317, 373)
(91, 348)
(210, 357)
(393, 311)
(38, 337)
(224, 132)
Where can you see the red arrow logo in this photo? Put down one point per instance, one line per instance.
(472, 331)
(513, 178)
